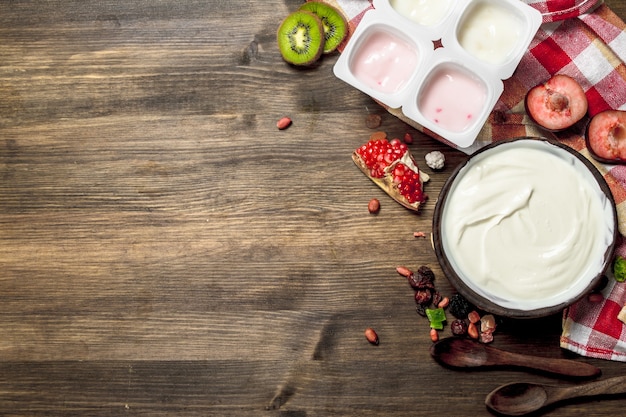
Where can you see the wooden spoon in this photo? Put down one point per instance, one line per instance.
(520, 398)
(466, 353)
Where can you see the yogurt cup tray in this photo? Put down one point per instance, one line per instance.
(443, 66)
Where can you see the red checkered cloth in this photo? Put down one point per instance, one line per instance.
(587, 41)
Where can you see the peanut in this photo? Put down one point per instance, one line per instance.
(371, 336)
(404, 271)
(434, 335)
(472, 330)
(283, 123)
(373, 206)
(444, 302)
(473, 317)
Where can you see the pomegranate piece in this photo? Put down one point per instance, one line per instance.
(606, 136)
(557, 104)
(391, 166)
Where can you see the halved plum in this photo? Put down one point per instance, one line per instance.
(606, 136)
(557, 104)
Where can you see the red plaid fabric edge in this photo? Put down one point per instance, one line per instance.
(555, 10)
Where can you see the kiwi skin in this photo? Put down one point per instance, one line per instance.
(300, 38)
(335, 24)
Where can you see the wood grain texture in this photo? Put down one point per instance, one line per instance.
(165, 250)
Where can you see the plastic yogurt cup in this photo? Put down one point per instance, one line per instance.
(452, 97)
(385, 60)
(449, 90)
(423, 12)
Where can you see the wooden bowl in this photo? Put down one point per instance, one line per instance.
(509, 219)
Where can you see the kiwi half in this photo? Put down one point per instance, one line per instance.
(335, 25)
(301, 38)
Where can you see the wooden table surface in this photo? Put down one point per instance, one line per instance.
(165, 250)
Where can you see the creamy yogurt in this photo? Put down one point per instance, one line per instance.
(423, 12)
(453, 98)
(384, 62)
(490, 32)
(525, 225)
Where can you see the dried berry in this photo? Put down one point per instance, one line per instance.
(423, 297)
(426, 272)
(486, 337)
(437, 298)
(373, 121)
(413, 281)
(459, 306)
(421, 310)
(458, 327)
(420, 282)
(422, 279)
(371, 336)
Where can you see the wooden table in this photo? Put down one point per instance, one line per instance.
(165, 250)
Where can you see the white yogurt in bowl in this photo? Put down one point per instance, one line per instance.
(525, 227)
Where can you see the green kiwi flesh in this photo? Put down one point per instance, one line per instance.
(335, 25)
(301, 38)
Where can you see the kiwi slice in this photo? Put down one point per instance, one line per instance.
(335, 25)
(301, 38)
